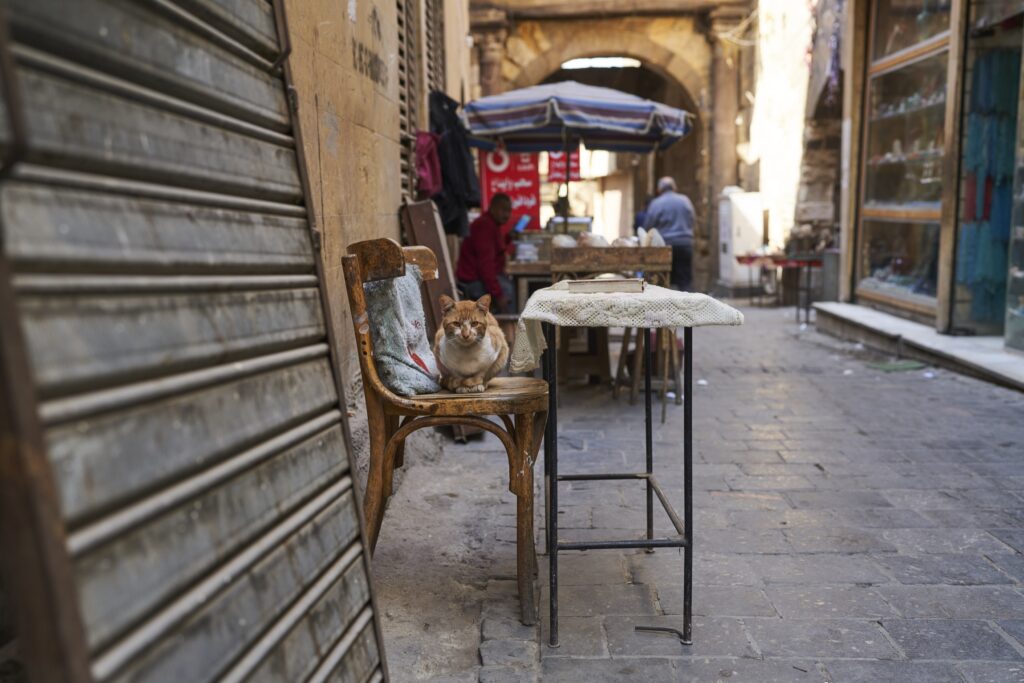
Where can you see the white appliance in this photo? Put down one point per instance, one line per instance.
(740, 231)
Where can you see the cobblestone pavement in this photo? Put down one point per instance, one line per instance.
(850, 524)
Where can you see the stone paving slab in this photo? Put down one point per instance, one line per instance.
(724, 601)
(566, 670)
(942, 568)
(950, 639)
(725, 637)
(891, 672)
(821, 638)
(992, 672)
(955, 602)
(829, 601)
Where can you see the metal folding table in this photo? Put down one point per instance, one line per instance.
(667, 309)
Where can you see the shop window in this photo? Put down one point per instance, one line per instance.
(903, 155)
(900, 260)
(989, 131)
(901, 24)
(906, 132)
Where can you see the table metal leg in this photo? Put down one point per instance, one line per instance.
(683, 527)
(548, 431)
(648, 434)
(688, 485)
(807, 297)
(551, 458)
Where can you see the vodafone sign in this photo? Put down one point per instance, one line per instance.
(517, 176)
(556, 166)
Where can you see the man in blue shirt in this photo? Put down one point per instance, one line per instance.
(673, 216)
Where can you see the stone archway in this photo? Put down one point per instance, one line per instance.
(534, 52)
(603, 42)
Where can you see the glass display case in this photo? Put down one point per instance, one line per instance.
(900, 24)
(900, 259)
(906, 131)
(1015, 282)
(903, 150)
(1014, 330)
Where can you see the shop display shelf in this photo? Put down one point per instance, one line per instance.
(932, 108)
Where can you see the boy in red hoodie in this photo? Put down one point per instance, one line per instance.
(481, 267)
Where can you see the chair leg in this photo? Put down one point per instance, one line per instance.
(391, 423)
(526, 553)
(374, 498)
(620, 372)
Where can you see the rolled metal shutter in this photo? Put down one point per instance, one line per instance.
(435, 52)
(408, 91)
(167, 290)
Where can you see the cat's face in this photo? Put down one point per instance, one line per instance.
(465, 322)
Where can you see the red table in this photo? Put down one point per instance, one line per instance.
(785, 261)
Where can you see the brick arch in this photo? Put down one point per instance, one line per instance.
(656, 57)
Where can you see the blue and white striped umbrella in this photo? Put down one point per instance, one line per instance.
(540, 118)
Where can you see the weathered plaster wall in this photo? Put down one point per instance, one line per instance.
(345, 67)
(344, 61)
(784, 35)
(457, 49)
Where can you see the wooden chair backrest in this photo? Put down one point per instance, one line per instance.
(423, 227)
(370, 261)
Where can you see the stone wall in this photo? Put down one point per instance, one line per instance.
(817, 200)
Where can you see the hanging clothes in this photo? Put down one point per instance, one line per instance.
(428, 165)
(988, 160)
(460, 185)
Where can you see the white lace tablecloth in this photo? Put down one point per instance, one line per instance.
(654, 307)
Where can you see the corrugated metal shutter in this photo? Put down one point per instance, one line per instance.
(171, 305)
(436, 76)
(408, 88)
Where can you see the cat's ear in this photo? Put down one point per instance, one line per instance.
(447, 303)
(484, 302)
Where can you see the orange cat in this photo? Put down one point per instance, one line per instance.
(469, 346)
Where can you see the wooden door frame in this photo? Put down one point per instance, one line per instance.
(861, 16)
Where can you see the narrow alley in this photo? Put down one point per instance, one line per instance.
(854, 521)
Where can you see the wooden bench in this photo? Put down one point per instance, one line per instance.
(520, 402)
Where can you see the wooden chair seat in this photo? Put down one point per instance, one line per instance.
(503, 396)
(520, 402)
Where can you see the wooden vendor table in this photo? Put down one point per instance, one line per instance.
(581, 263)
(525, 272)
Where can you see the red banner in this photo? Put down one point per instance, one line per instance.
(517, 176)
(556, 166)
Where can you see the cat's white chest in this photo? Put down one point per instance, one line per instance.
(468, 360)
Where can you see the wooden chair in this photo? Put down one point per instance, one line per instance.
(520, 402)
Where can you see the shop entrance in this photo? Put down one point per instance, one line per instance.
(987, 161)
